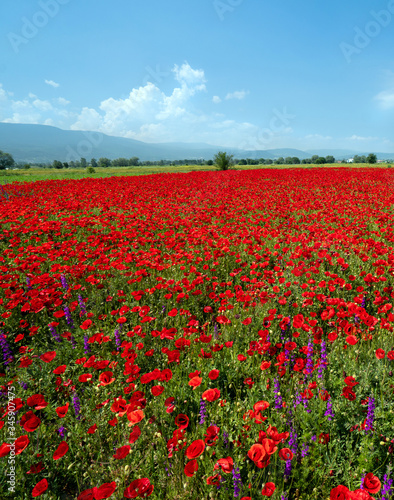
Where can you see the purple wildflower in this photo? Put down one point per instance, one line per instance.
(304, 450)
(54, 333)
(77, 405)
(203, 412)
(23, 385)
(309, 359)
(64, 282)
(7, 353)
(69, 319)
(237, 481)
(62, 431)
(28, 282)
(82, 305)
(329, 412)
(323, 360)
(278, 397)
(117, 339)
(225, 439)
(86, 345)
(370, 415)
(387, 489)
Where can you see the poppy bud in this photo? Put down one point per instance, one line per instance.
(390, 373)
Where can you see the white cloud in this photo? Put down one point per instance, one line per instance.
(62, 101)
(187, 76)
(89, 119)
(52, 83)
(355, 137)
(385, 99)
(319, 137)
(238, 94)
(216, 99)
(42, 105)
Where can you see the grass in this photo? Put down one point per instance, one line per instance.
(43, 174)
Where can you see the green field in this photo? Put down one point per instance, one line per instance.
(42, 174)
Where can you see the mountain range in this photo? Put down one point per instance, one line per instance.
(44, 144)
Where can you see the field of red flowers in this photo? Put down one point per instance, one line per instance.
(210, 335)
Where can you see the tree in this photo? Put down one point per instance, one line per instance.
(288, 160)
(104, 162)
(210, 162)
(315, 158)
(241, 162)
(134, 161)
(6, 160)
(330, 159)
(93, 162)
(321, 160)
(296, 160)
(223, 160)
(84, 163)
(372, 158)
(280, 161)
(57, 164)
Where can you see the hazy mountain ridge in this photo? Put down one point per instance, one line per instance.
(44, 144)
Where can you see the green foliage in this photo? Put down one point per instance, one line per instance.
(222, 160)
(6, 160)
(372, 158)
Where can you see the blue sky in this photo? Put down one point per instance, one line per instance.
(255, 74)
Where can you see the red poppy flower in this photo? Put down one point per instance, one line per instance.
(226, 464)
(37, 401)
(30, 422)
(85, 377)
(211, 395)
(106, 378)
(61, 450)
(122, 452)
(62, 410)
(390, 355)
(92, 429)
(105, 490)
(286, 454)
(4, 450)
(139, 488)
(351, 382)
(380, 354)
(48, 356)
(40, 488)
(324, 438)
(195, 382)
(213, 374)
(268, 489)
(134, 435)
(195, 449)
(214, 480)
(265, 365)
(86, 324)
(351, 339)
(181, 421)
(36, 468)
(59, 370)
(156, 390)
(190, 468)
(371, 483)
(135, 416)
(341, 493)
(86, 495)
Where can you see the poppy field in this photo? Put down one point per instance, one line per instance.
(208, 335)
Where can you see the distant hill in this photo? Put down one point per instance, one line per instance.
(44, 144)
